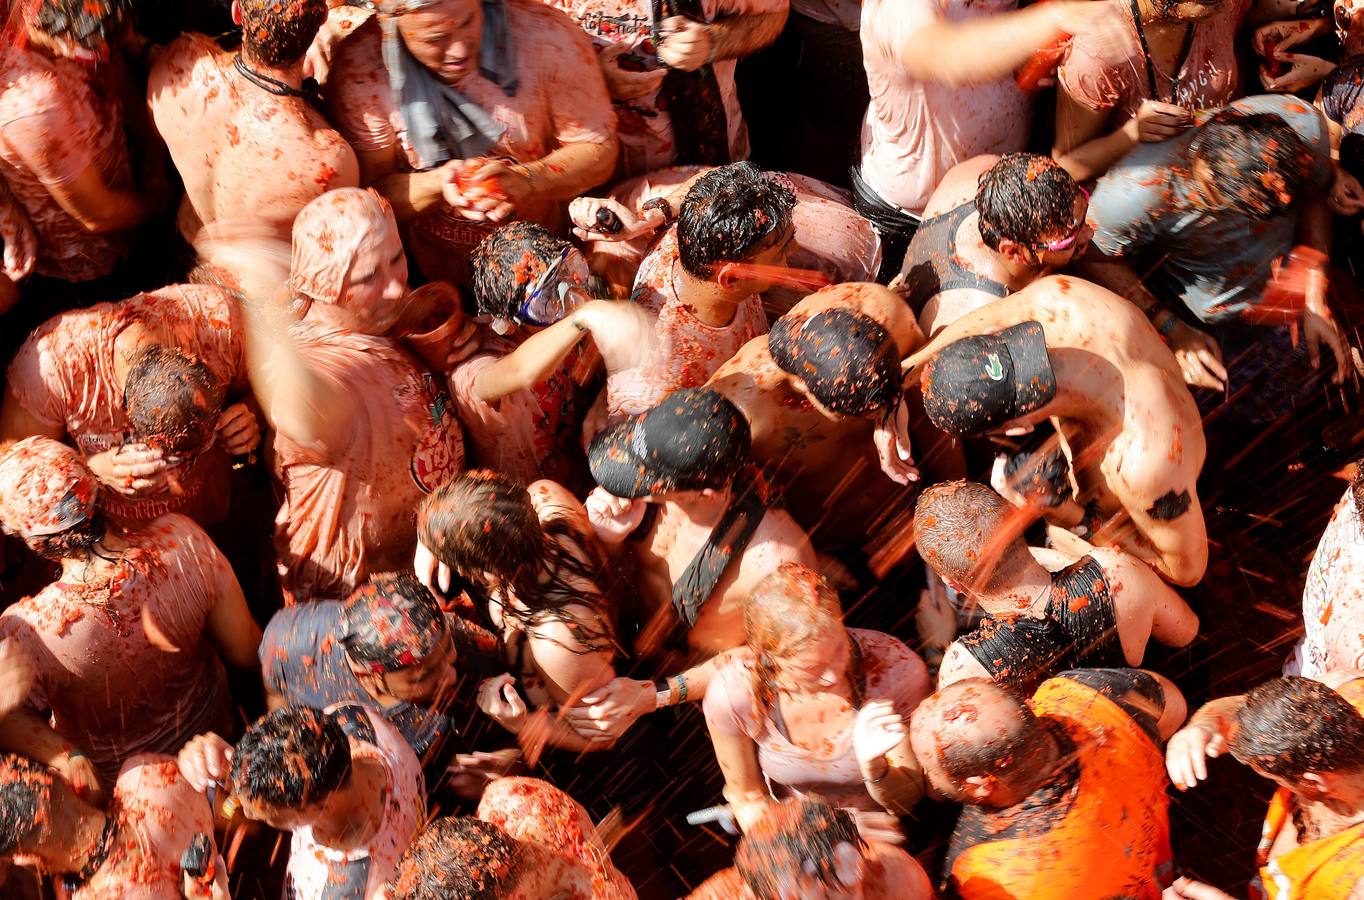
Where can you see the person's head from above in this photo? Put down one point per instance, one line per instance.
(31, 801)
(1253, 164)
(843, 361)
(693, 441)
(1302, 735)
(980, 744)
(733, 216)
(82, 30)
(278, 33)
(442, 35)
(970, 536)
(485, 528)
(523, 275)
(289, 765)
(348, 260)
(990, 382)
(48, 497)
(803, 849)
(396, 639)
(793, 622)
(1174, 11)
(1032, 213)
(532, 809)
(461, 858)
(173, 403)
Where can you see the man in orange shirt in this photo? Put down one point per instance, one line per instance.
(1064, 793)
(1308, 737)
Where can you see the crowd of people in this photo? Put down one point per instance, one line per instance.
(598, 449)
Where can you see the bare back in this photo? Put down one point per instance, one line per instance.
(243, 153)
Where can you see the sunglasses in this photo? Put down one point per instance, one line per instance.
(1067, 242)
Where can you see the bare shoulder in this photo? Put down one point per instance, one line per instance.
(959, 185)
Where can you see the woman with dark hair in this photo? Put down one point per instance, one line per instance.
(529, 561)
(812, 706)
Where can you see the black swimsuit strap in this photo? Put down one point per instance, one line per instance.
(1150, 63)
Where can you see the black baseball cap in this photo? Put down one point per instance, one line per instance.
(846, 359)
(980, 382)
(694, 439)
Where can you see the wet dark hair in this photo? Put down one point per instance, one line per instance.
(171, 401)
(1023, 197)
(507, 262)
(958, 524)
(790, 836)
(87, 23)
(279, 32)
(728, 215)
(392, 622)
(78, 540)
(294, 757)
(1005, 756)
(483, 521)
(458, 859)
(1259, 164)
(1294, 725)
(25, 790)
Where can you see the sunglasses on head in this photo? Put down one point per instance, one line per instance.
(1067, 242)
(547, 297)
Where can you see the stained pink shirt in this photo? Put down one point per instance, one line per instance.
(64, 377)
(1333, 598)
(645, 129)
(123, 664)
(57, 119)
(914, 131)
(688, 351)
(350, 509)
(1115, 78)
(561, 99)
(893, 672)
(528, 435)
(159, 814)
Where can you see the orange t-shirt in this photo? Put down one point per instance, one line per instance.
(1325, 869)
(1106, 835)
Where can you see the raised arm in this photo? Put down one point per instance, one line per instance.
(1156, 606)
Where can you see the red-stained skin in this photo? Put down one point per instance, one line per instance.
(243, 152)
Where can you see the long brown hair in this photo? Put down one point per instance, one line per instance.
(787, 610)
(483, 524)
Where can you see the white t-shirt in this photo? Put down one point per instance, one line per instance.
(318, 872)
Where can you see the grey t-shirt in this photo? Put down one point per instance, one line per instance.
(1215, 261)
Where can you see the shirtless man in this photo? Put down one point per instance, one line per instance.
(240, 128)
(711, 539)
(463, 858)
(694, 281)
(1066, 349)
(1308, 738)
(535, 811)
(807, 848)
(833, 422)
(1333, 598)
(993, 226)
(1048, 610)
(134, 849)
(1064, 792)
(343, 781)
(128, 644)
(105, 377)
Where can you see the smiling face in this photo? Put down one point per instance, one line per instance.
(377, 281)
(445, 37)
(815, 665)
